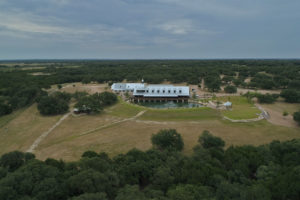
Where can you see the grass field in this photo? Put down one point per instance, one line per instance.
(241, 108)
(75, 134)
(181, 114)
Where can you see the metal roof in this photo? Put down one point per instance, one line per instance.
(126, 86)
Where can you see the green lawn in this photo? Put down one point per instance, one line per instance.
(181, 114)
(123, 109)
(241, 108)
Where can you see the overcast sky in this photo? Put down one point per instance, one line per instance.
(146, 29)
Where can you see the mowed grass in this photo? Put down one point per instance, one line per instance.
(181, 114)
(124, 109)
(241, 108)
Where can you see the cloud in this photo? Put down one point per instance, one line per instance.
(28, 23)
(179, 27)
(216, 8)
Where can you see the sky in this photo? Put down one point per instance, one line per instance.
(149, 29)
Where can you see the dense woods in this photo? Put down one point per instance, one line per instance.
(162, 173)
(20, 88)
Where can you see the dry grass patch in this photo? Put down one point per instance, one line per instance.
(22, 131)
(276, 113)
(122, 137)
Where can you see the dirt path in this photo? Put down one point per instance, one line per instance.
(45, 134)
(277, 118)
(113, 123)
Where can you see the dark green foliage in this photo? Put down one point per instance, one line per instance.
(245, 172)
(291, 95)
(53, 105)
(207, 140)
(94, 103)
(89, 154)
(12, 160)
(108, 98)
(130, 193)
(213, 83)
(91, 196)
(90, 104)
(262, 81)
(230, 89)
(267, 98)
(167, 140)
(296, 117)
(5, 109)
(190, 192)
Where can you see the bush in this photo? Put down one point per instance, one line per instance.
(266, 98)
(167, 139)
(230, 89)
(207, 140)
(296, 117)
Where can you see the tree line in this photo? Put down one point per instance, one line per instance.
(20, 88)
(270, 171)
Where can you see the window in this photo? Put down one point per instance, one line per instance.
(157, 91)
(174, 91)
(147, 91)
(169, 91)
(179, 91)
(152, 91)
(163, 91)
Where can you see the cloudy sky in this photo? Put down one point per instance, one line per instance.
(146, 29)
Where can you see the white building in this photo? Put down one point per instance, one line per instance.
(153, 93)
(123, 87)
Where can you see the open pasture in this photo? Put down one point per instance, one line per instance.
(118, 129)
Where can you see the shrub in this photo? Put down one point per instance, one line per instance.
(230, 89)
(167, 139)
(266, 98)
(296, 117)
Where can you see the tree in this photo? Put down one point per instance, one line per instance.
(207, 140)
(266, 98)
(108, 98)
(49, 105)
(296, 117)
(167, 139)
(12, 160)
(130, 193)
(5, 109)
(230, 89)
(162, 178)
(189, 192)
(91, 196)
(291, 95)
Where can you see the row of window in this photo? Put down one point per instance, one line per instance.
(164, 91)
